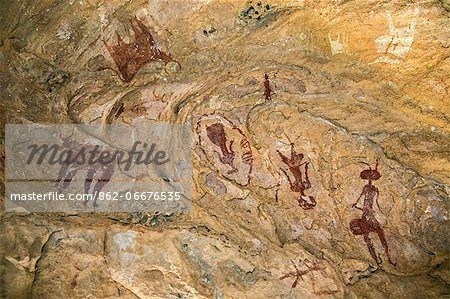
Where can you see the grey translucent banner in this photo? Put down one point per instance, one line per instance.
(104, 168)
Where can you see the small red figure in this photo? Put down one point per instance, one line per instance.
(138, 108)
(120, 110)
(246, 157)
(299, 273)
(298, 185)
(268, 92)
(368, 223)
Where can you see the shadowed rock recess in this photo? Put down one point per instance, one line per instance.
(321, 146)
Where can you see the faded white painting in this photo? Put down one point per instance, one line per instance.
(338, 45)
(398, 42)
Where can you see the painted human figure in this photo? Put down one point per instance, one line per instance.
(268, 92)
(294, 163)
(368, 223)
(216, 133)
(298, 274)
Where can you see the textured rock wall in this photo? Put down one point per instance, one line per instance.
(350, 84)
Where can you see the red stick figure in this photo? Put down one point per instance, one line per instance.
(299, 273)
(368, 223)
(298, 185)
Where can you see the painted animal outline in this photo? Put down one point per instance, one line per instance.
(298, 185)
(131, 57)
(368, 222)
(68, 171)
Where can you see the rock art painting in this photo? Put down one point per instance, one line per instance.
(298, 177)
(97, 174)
(268, 92)
(338, 45)
(395, 45)
(282, 98)
(298, 274)
(368, 223)
(136, 109)
(226, 147)
(131, 57)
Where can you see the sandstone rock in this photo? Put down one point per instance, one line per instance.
(352, 84)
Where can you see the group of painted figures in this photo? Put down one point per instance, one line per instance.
(227, 148)
(217, 136)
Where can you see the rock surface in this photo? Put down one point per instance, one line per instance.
(348, 83)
